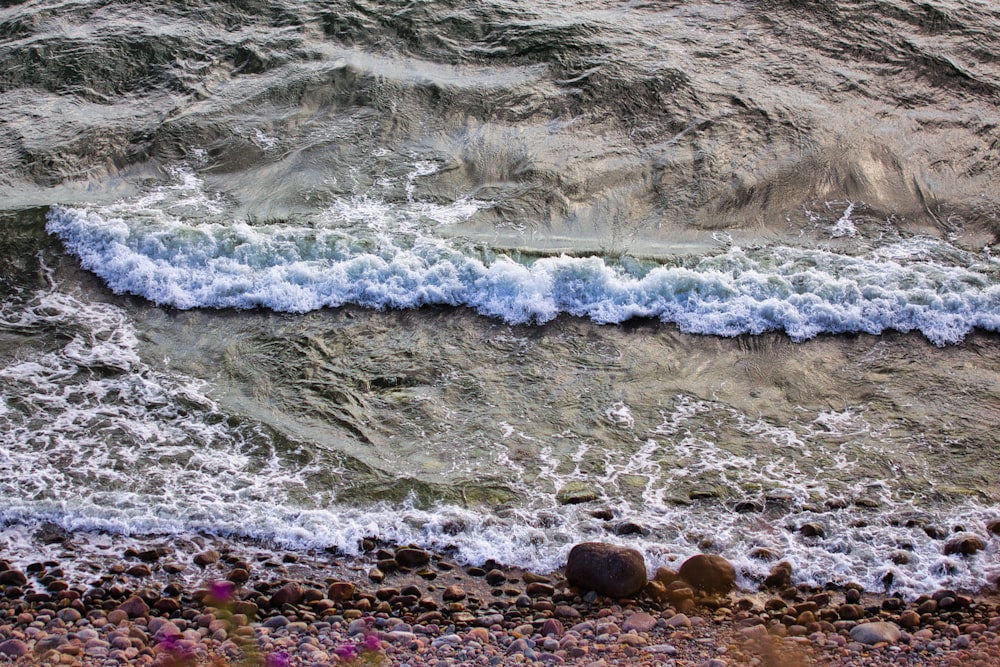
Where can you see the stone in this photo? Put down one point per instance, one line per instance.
(206, 558)
(780, 576)
(710, 573)
(539, 589)
(678, 621)
(965, 544)
(238, 575)
(993, 527)
(340, 591)
(290, 593)
(141, 570)
(909, 619)
(552, 627)
(412, 557)
(575, 493)
(812, 529)
(14, 648)
(13, 578)
(453, 594)
(875, 633)
(607, 569)
(50, 533)
(639, 622)
(135, 607)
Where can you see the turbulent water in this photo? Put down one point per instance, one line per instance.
(498, 277)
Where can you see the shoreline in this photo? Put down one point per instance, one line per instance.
(148, 600)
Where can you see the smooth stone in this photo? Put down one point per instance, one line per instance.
(290, 593)
(678, 621)
(709, 572)
(608, 569)
(875, 633)
(639, 622)
(15, 648)
(135, 607)
(13, 578)
(206, 558)
(412, 557)
(780, 576)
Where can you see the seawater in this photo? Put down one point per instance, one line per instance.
(685, 277)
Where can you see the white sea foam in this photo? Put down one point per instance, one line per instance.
(298, 269)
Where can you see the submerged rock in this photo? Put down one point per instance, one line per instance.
(710, 573)
(965, 545)
(607, 569)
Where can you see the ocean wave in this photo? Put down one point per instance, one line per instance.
(803, 292)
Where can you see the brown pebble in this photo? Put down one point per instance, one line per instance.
(340, 591)
(453, 593)
(206, 558)
(909, 619)
(238, 576)
(140, 570)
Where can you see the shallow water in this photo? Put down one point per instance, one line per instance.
(480, 276)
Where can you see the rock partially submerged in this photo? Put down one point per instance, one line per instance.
(607, 569)
(710, 573)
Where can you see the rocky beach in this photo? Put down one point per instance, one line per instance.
(168, 601)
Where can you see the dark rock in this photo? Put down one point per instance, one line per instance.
(993, 527)
(50, 533)
(552, 626)
(238, 575)
(851, 612)
(763, 553)
(290, 593)
(495, 577)
(376, 575)
(538, 589)
(812, 530)
(135, 607)
(965, 544)
(340, 591)
(206, 558)
(710, 573)
(606, 568)
(412, 557)
(630, 528)
(13, 578)
(453, 594)
(935, 532)
(780, 576)
(746, 506)
(141, 570)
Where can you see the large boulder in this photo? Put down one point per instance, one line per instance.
(608, 569)
(708, 572)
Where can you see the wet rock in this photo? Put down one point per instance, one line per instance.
(290, 593)
(453, 594)
(340, 591)
(412, 557)
(710, 573)
(50, 533)
(780, 576)
(135, 607)
(965, 544)
(935, 532)
(909, 619)
(206, 558)
(812, 529)
(575, 493)
(607, 569)
(630, 528)
(376, 575)
(765, 554)
(238, 575)
(993, 527)
(875, 633)
(746, 506)
(495, 577)
(539, 589)
(140, 571)
(13, 578)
